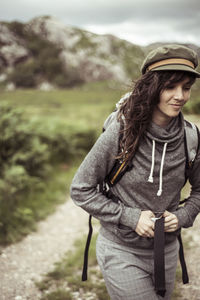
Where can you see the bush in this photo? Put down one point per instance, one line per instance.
(65, 142)
(27, 150)
(23, 164)
(19, 144)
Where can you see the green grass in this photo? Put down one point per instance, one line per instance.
(59, 294)
(56, 191)
(89, 104)
(66, 277)
(37, 205)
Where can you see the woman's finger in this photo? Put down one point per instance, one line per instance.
(171, 227)
(171, 222)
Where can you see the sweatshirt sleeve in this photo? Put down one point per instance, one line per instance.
(186, 214)
(91, 172)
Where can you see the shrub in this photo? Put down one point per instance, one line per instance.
(23, 164)
(64, 141)
(19, 144)
(27, 150)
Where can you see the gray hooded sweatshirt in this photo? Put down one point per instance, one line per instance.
(154, 183)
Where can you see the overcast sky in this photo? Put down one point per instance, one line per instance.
(139, 21)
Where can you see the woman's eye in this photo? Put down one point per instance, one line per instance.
(187, 88)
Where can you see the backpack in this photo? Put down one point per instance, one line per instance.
(192, 144)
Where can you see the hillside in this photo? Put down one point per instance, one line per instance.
(45, 51)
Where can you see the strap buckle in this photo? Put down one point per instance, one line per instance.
(156, 218)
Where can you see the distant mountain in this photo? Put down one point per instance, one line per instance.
(45, 50)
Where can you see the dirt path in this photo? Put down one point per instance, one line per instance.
(23, 263)
(191, 291)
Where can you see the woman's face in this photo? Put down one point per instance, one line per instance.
(172, 99)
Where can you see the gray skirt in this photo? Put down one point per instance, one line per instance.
(129, 272)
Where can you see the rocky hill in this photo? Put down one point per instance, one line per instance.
(44, 45)
(46, 51)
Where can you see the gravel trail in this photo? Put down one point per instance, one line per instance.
(23, 263)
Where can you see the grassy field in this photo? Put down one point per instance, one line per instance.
(89, 104)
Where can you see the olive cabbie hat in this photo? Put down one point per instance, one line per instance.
(171, 58)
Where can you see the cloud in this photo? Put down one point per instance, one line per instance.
(144, 20)
(157, 30)
(103, 11)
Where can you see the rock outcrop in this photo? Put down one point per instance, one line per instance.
(12, 50)
(97, 57)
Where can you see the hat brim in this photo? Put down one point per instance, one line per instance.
(176, 68)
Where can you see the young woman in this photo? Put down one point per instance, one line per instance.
(148, 131)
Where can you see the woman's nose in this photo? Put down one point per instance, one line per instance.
(178, 94)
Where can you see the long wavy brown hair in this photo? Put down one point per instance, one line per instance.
(135, 113)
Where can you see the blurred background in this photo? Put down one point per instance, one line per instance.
(63, 66)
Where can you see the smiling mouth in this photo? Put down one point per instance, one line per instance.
(176, 107)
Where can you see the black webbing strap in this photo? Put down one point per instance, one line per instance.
(185, 277)
(159, 257)
(85, 262)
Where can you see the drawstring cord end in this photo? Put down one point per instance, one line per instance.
(159, 193)
(150, 179)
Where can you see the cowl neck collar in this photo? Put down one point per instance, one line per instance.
(169, 134)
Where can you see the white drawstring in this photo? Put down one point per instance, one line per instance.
(159, 193)
(150, 179)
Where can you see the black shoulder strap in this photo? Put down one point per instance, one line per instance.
(117, 172)
(85, 262)
(191, 142)
(185, 277)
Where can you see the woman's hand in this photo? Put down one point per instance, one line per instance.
(145, 226)
(171, 221)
